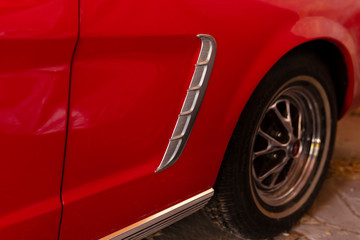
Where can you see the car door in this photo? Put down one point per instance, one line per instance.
(37, 39)
(130, 76)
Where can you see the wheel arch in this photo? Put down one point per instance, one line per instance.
(334, 58)
(328, 39)
(336, 46)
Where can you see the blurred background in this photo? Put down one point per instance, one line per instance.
(335, 214)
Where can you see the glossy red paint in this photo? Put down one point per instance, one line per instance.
(131, 70)
(36, 43)
(132, 66)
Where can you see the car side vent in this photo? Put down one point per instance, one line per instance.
(192, 102)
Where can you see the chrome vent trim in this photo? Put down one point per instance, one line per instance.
(162, 219)
(192, 102)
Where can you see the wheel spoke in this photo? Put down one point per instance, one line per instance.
(275, 170)
(275, 177)
(271, 141)
(286, 121)
(269, 149)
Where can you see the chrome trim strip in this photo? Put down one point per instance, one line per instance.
(162, 219)
(192, 102)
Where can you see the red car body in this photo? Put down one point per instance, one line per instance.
(91, 92)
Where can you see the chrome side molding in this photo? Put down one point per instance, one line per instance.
(162, 219)
(192, 102)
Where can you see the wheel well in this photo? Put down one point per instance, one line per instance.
(335, 61)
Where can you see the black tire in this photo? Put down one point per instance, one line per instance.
(267, 181)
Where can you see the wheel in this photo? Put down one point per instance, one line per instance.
(279, 151)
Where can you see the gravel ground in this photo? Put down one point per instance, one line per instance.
(334, 215)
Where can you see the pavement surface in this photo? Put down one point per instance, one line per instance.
(335, 214)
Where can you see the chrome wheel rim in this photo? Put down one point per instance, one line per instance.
(285, 158)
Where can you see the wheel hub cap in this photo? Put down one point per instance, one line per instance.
(295, 149)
